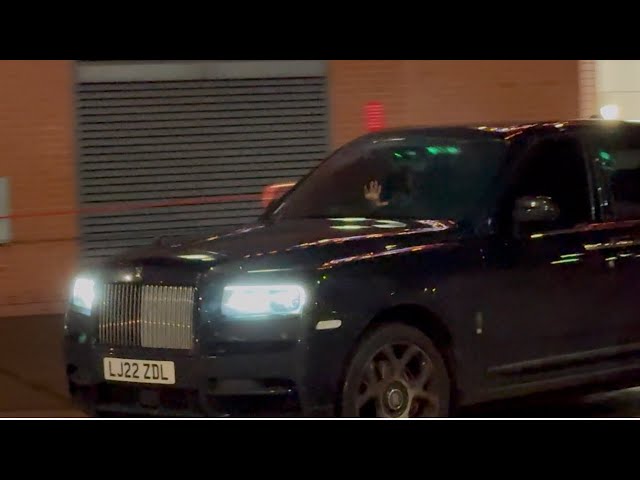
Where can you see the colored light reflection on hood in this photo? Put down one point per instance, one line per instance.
(371, 255)
(429, 226)
(393, 229)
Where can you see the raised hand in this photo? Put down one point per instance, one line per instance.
(372, 193)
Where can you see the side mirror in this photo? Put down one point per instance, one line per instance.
(273, 192)
(535, 209)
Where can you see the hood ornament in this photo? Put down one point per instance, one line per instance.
(128, 275)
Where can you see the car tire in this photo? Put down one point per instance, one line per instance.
(396, 371)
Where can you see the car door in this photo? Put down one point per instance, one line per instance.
(616, 159)
(541, 302)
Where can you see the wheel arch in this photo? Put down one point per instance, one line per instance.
(419, 317)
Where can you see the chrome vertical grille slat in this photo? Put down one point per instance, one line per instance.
(188, 330)
(180, 314)
(163, 330)
(102, 315)
(111, 302)
(110, 313)
(118, 318)
(118, 314)
(172, 316)
(123, 316)
(148, 316)
(138, 316)
(144, 316)
(112, 318)
(127, 312)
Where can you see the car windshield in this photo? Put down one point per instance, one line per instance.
(426, 178)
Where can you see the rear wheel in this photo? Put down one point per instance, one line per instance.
(396, 372)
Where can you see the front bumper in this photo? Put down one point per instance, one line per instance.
(271, 383)
(265, 367)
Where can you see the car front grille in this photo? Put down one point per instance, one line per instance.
(147, 316)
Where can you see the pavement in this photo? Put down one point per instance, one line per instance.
(32, 382)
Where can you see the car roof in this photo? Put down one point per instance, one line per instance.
(502, 130)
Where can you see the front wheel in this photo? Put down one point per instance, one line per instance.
(396, 372)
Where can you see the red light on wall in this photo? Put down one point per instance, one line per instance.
(374, 116)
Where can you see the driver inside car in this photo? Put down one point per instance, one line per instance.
(414, 180)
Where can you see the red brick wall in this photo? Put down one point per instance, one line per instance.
(36, 153)
(450, 91)
(588, 89)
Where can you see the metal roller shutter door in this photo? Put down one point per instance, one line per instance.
(171, 133)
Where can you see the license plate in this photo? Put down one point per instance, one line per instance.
(139, 371)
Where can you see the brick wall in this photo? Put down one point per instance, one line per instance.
(441, 92)
(588, 88)
(36, 153)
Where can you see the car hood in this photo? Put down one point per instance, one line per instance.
(300, 240)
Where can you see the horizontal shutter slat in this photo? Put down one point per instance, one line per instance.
(162, 141)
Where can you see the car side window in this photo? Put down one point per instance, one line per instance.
(618, 166)
(554, 167)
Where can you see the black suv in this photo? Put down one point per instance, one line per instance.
(415, 270)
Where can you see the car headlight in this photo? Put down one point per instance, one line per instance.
(83, 294)
(262, 300)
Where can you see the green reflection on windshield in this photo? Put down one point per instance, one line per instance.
(440, 150)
